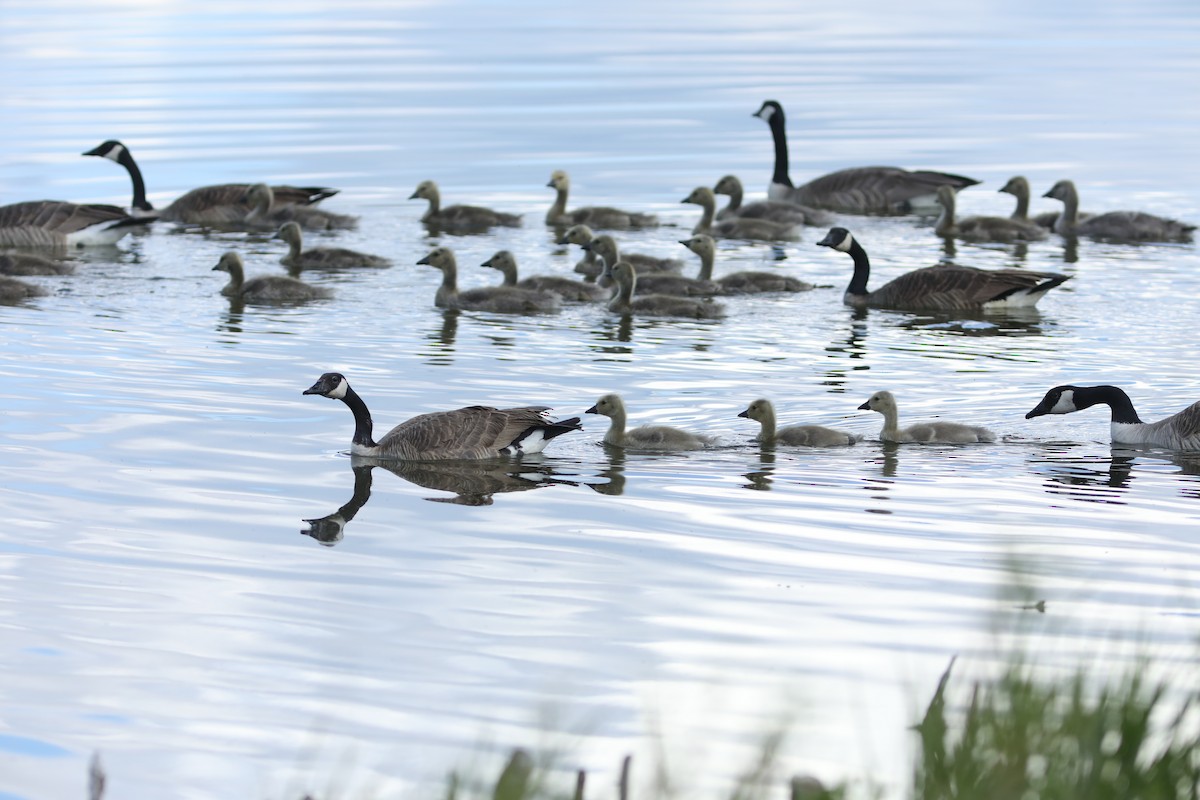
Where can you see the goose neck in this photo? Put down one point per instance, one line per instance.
(1112, 396)
(862, 270)
(1070, 215)
(139, 185)
(559, 208)
(706, 264)
(447, 293)
(616, 430)
(767, 434)
(509, 271)
(294, 244)
(363, 426)
(1022, 210)
(435, 202)
(945, 220)
(779, 135)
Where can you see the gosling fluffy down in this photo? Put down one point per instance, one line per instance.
(656, 305)
(645, 437)
(497, 299)
(460, 218)
(763, 412)
(265, 289)
(594, 216)
(936, 432)
(298, 258)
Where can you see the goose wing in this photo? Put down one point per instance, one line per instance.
(875, 190)
(57, 216)
(1184, 427)
(952, 287)
(470, 432)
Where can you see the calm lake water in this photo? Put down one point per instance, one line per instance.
(158, 601)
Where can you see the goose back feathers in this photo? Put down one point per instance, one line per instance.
(16, 263)
(937, 432)
(58, 224)
(1177, 432)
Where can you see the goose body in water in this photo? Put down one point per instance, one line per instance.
(936, 432)
(500, 299)
(459, 218)
(58, 224)
(645, 437)
(592, 216)
(605, 248)
(16, 263)
(885, 191)
(982, 229)
(1018, 187)
(739, 282)
(592, 265)
(737, 227)
(945, 287)
(13, 291)
(657, 305)
(567, 289)
(474, 432)
(220, 204)
(266, 214)
(1177, 432)
(772, 210)
(298, 258)
(265, 289)
(1114, 226)
(763, 412)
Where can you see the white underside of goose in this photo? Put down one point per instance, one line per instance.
(97, 235)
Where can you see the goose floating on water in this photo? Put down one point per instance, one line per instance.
(593, 216)
(982, 229)
(264, 289)
(763, 412)
(298, 258)
(591, 266)
(1178, 432)
(16, 263)
(745, 282)
(645, 437)
(266, 214)
(772, 210)
(605, 248)
(570, 291)
(656, 305)
(1018, 187)
(13, 291)
(459, 218)
(737, 227)
(1114, 226)
(59, 224)
(499, 299)
(937, 432)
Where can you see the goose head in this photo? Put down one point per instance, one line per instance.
(882, 401)
(758, 410)
(230, 262)
(502, 260)
(332, 384)
(607, 406)
(701, 244)
(838, 239)
(729, 184)
(426, 190)
(559, 180)
(945, 197)
(623, 275)
(701, 196)
(1061, 191)
(290, 232)
(577, 234)
(259, 196)
(770, 109)
(1059, 400)
(111, 149)
(1016, 186)
(441, 258)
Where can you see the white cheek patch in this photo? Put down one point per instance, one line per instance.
(115, 153)
(339, 391)
(766, 113)
(1065, 404)
(844, 244)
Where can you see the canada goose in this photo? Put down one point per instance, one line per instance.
(594, 216)
(644, 437)
(739, 282)
(265, 289)
(472, 432)
(500, 299)
(605, 247)
(1178, 432)
(55, 223)
(982, 229)
(944, 287)
(929, 432)
(766, 209)
(13, 291)
(15, 263)
(888, 191)
(567, 289)
(591, 266)
(657, 305)
(1018, 187)
(459, 218)
(737, 227)
(266, 214)
(321, 257)
(1115, 226)
(208, 205)
(804, 435)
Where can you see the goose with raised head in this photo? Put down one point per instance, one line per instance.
(1018, 187)
(644, 437)
(738, 227)
(570, 291)
(13, 291)
(656, 305)
(591, 266)
(59, 224)
(888, 191)
(298, 258)
(747, 282)
(982, 229)
(266, 214)
(1177, 432)
(944, 287)
(593, 216)
(474, 432)
(264, 289)
(459, 218)
(1114, 226)
(221, 204)
(936, 432)
(766, 209)
(499, 299)
(763, 412)
(605, 248)
(15, 263)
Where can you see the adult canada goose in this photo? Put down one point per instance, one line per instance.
(321, 257)
(473, 432)
(1178, 432)
(221, 204)
(594, 216)
(460, 219)
(30, 264)
(804, 435)
(936, 432)
(501, 299)
(644, 437)
(944, 287)
(1018, 187)
(265, 289)
(982, 229)
(738, 227)
(739, 282)
(766, 209)
(656, 305)
(567, 289)
(605, 247)
(591, 265)
(55, 223)
(860, 190)
(266, 214)
(1115, 226)
(13, 291)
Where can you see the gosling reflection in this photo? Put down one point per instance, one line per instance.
(760, 480)
(613, 474)
(440, 350)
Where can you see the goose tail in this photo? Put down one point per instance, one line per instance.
(535, 438)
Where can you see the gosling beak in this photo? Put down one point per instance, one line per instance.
(425, 260)
(414, 196)
(487, 263)
(865, 406)
(592, 410)
(745, 414)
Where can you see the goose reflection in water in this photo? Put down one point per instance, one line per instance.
(1100, 479)
(760, 479)
(440, 350)
(613, 474)
(472, 483)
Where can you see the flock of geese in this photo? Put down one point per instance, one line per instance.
(627, 283)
